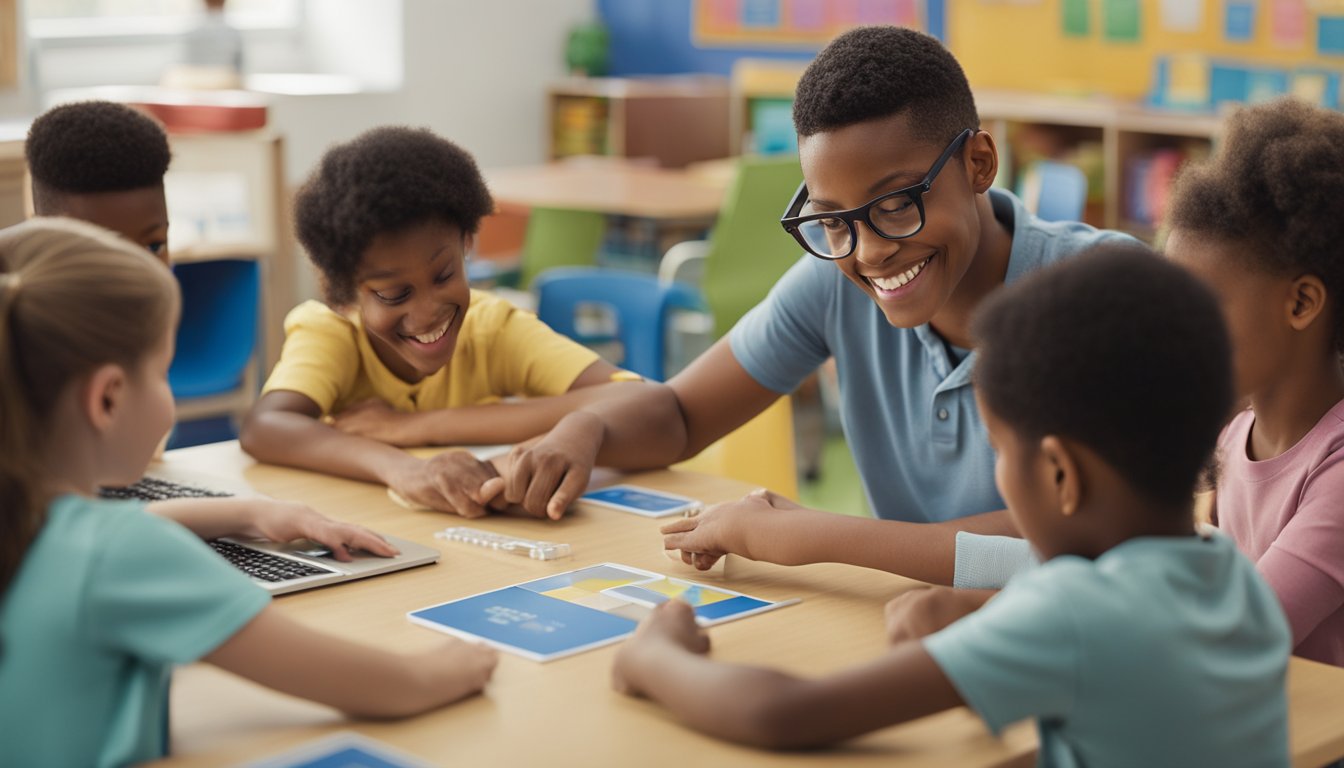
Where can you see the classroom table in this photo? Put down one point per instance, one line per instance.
(564, 713)
(615, 188)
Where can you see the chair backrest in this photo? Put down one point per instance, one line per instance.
(217, 335)
(641, 306)
(560, 238)
(749, 251)
(1055, 191)
(759, 452)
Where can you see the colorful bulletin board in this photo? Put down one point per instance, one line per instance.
(1114, 47)
(807, 24)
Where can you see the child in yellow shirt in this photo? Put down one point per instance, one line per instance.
(403, 353)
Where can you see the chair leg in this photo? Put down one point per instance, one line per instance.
(809, 428)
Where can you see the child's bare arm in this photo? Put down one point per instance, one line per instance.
(767, 526)
(284, 428)
(271, 519)
(360, 680)
(666, 661)
(546, 475)
(919, 613)
(507, 422)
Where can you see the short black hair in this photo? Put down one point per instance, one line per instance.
(94, 146)
(1274, 186)
(384, 181)
(1117, 349)
(875, 72)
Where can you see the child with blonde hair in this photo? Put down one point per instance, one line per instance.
(98, 599)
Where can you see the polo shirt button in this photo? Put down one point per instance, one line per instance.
(942, 414)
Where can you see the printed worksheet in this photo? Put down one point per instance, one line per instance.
(571, 612)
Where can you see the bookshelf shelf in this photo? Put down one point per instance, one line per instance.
(674, 120)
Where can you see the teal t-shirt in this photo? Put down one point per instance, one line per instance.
(1161, 652)
(107, 600)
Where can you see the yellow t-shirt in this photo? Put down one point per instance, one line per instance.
(502, 351)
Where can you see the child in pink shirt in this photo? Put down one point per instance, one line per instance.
(1261, 224)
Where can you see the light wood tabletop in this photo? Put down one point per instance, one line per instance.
(564, 713)
(610, 187)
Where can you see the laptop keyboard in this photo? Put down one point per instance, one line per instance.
(264, 565)
(154, 489)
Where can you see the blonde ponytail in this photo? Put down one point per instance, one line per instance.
(72, 297)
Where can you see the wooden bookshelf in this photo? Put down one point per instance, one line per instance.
(13, 176)
(1127, 134)
(674, 120)
(9, 44)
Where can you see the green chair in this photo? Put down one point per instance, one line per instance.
(557, 237)
(748, 251)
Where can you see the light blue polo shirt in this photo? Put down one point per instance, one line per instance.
(906, 404)
(1164, 651)
(108, 598)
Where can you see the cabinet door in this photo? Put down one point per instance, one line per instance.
(677, 130)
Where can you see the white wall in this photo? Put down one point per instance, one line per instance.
(473, 71)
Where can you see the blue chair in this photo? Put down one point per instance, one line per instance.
(640, 304)
(213, 373)
(1055, 191)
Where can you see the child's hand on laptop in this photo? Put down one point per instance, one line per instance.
(286, 521)
(544, 476)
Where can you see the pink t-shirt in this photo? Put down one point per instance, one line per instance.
(1287, 514)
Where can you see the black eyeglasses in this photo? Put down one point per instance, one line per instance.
(894, 215)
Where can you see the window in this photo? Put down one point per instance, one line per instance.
(54, 19)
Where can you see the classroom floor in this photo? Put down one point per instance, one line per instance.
(837, 487)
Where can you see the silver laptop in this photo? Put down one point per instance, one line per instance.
(289, 567)
(276, 567)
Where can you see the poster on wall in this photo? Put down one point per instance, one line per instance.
(1076, 18)
(1239, 20)
(1120, 20)
(806, 24)
(1181, 15)
(1330, 35)
(1288, 23)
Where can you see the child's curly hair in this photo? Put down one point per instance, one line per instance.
(385, 180)
(1274, 186)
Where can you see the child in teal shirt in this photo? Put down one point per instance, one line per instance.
(99, 599)
(1137, 633)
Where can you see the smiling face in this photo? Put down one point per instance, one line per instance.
(139, 215)
(913, 278)
(412, 295)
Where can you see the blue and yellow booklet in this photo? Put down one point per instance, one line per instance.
(571, 612)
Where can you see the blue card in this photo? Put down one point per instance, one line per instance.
(640, 501)
(342, 750)
(529, 623)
